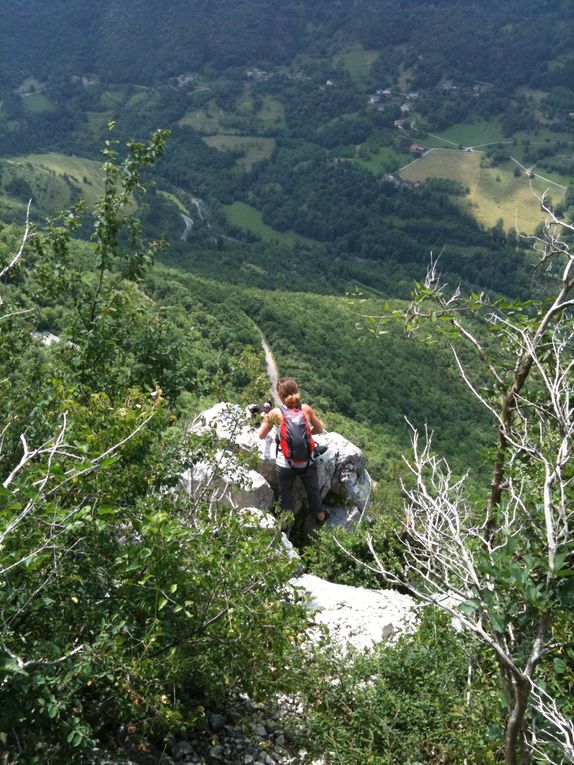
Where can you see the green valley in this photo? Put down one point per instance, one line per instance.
(367, 187)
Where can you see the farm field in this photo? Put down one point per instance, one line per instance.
(206, 120)
(357, 61)
(113, 97)
(494, 192)
(383, 160)
(266, 109)
(37, 103)
(56, 179)
(249, 218)
(97, 123)
(253, 148)
(469, 134)
(272, 111)
(544, 135)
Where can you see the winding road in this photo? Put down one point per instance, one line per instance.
(188, 226)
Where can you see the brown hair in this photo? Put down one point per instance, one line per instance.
(288, 392)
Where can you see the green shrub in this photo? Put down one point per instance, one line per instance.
(344, 556)
(400, 704)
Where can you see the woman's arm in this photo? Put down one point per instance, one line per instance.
(267, 422)
(315, 423)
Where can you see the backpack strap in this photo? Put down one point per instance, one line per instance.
(283, 409)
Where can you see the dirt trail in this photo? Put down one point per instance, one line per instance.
(271, 368)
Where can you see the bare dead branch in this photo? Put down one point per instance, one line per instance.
(25, 237)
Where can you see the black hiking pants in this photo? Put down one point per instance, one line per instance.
(310, 479)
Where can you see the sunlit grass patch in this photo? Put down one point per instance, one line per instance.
(253, 148)
(206, 120)
(112, 97)
(272, 111)
(249, 218)
(495, 192)
(174, 201)
(381, 160)
(472, 133)
(138, 98)
(358, 62)
(55, 179)
(37, 103)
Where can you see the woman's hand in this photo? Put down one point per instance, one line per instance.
(273, 418)
(268, 421)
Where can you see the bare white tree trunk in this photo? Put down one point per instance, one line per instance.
(455, 552)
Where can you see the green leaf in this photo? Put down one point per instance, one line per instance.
(11, 666)
(109, 461)
(497, 622)
(468, 606)
(559, 560)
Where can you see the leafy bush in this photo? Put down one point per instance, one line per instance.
(400, 704)
(120, 597)
(344, 556)
(131, 611)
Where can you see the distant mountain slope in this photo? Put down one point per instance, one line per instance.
(147, 40)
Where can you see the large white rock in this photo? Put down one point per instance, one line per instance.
(356, 616)
(226, 480)
(341, 470)
(226, 420)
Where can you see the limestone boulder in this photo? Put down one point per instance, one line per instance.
(343, 478)
(358, 617)
(355, 617)
(225, 420)
(227, 480)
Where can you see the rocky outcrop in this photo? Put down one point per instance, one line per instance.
(357, 617)
(343, 478)
(354, 616)
(225, 479)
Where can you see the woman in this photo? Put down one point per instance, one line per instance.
(288, 392)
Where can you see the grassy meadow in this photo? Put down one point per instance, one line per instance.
(358, 62)
(249, 218)
(37, 103)
(55, 179)
(495, 192)
(476, 133)
(381, 160)
(206, 121)
(113, 97)
(272, 112)
(252, 148)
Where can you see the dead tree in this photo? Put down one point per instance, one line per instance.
(501, 569)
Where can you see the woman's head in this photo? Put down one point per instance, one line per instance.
(288, 392)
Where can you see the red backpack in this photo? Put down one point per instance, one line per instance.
(294, 439)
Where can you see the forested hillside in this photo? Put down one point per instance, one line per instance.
(180, 177)
(510, 42)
